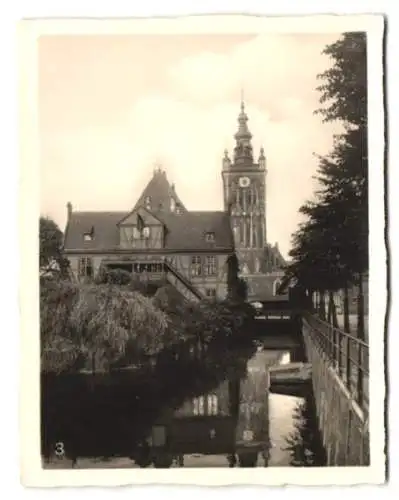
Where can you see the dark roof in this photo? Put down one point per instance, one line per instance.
(160, 192)
(183, 232)
(103, 225)
(261, 287)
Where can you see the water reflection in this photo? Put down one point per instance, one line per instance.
(294, 436)
(288, 422)
(304, 443)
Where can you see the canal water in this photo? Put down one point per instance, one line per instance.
(294, 437)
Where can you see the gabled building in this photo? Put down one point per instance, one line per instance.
(160, 240)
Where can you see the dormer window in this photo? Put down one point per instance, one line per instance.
(210, 237)
(88, 236)
(147, 202)
(172, 204)
(178, 209)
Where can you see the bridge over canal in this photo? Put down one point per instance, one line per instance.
(336, 366)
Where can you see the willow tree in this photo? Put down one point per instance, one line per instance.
(91, 326)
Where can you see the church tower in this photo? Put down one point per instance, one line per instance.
(244, 185)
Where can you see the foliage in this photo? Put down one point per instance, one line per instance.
(96, 326)
(122, 277)
(344, 85)
(113, 276)
(79, 322)
(330, 249)
(50, 247)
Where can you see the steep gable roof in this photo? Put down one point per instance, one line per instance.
(149, 216)
(186, 231)
(160, 192)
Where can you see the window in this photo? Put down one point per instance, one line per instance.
(212, 404)
(276, 284)
(157, 267)
(210, 293)
(147, 202)
(198, 406)
(85, 267)
(240, 199)
(144, 234)
(250, 198)
(212, 407)
(196, 267)
(210, 265)
(172, 205)
(210, 237)
(179, 209)
(88, 235)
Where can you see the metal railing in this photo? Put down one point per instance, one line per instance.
(348, 355)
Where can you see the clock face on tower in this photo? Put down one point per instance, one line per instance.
(243, 182)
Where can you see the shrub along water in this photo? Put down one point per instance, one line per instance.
(113, 361)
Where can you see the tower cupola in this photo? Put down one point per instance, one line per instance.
(243, 149)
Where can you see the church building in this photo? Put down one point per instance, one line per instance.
(161, 240)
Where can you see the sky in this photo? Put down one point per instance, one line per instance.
(112, 107)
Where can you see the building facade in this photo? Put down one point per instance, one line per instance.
(160, 240)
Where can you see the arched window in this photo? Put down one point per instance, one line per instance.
(240, 199)
(276, 284)
(250, 198)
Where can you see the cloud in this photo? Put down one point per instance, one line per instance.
(189, 120)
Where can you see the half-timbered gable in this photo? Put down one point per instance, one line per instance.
(140, 229)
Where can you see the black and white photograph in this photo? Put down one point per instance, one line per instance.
(203, 277)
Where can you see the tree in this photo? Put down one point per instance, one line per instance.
(344, 176)
(93, 325)
(330, 250)
(50, 247)
(344, 85)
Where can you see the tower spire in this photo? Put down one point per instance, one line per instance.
(243, 149)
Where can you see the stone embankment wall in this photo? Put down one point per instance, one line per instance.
(342, 423)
